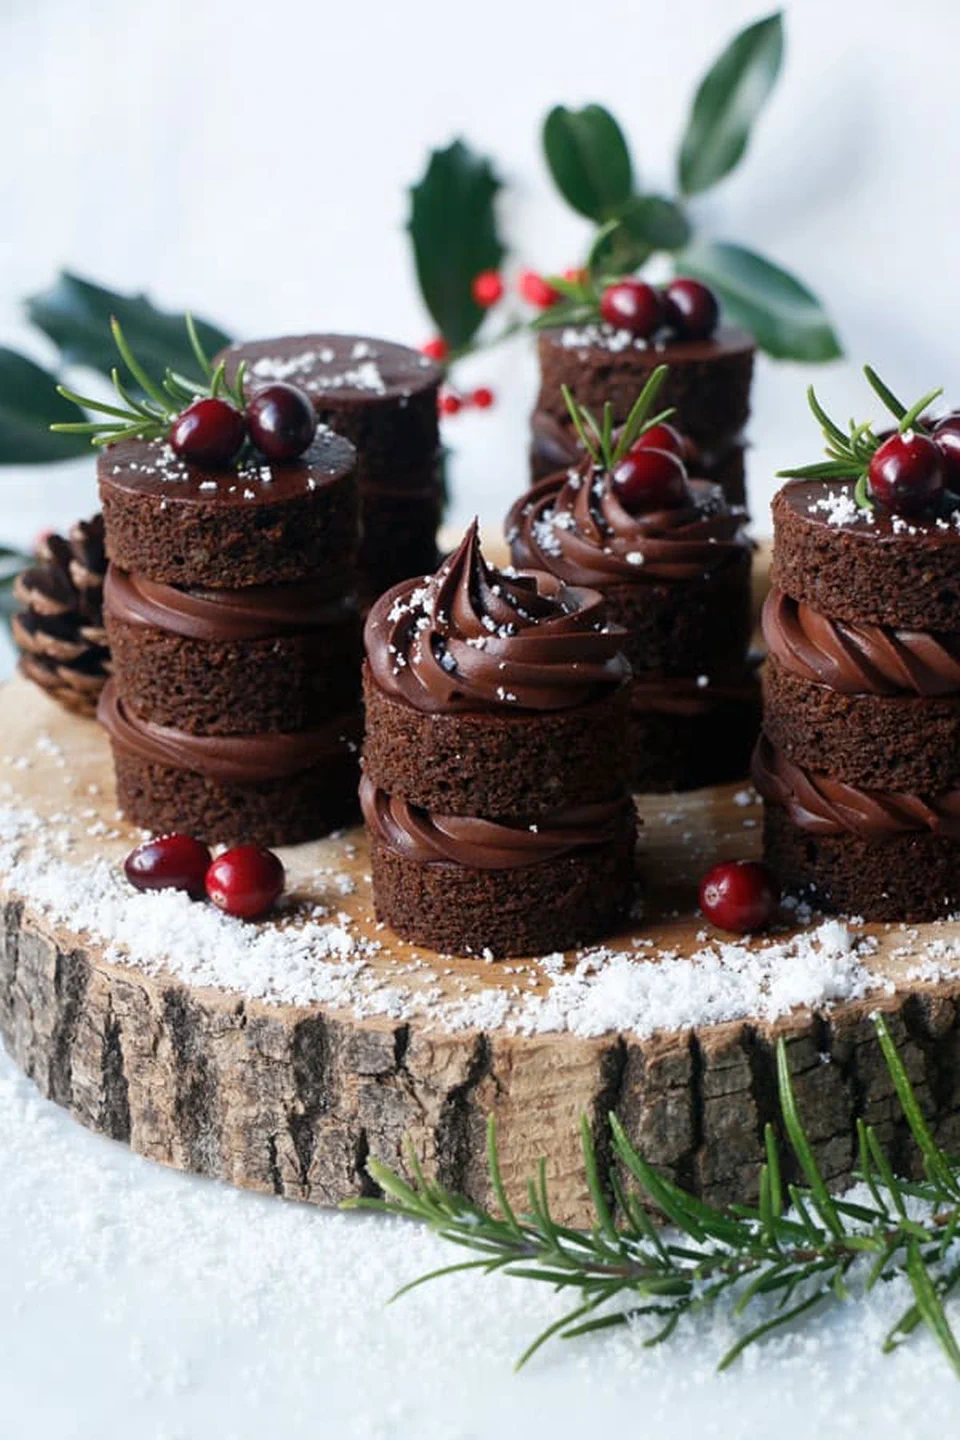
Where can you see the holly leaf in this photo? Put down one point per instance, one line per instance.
(453, 227)
(75, 313)
(727, 102)
(29, 405)
(588, 159)
(785, 317)
(655, 222)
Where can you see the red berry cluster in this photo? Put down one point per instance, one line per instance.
(652, 475)
(909, 472)
(685, 308)
(245, 881)
(278, 420)
(451, 402)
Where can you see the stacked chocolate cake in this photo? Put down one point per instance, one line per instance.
(383, 398)
(859, 763)
(493, 788)
(708, 387)
(232, 613)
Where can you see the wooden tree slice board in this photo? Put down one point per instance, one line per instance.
(266, 1088)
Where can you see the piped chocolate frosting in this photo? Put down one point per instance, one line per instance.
(824, 806)
(574, 525)
(859, 659)
(482, 844)
(475, 638)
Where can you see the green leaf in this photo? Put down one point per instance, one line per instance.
(29, 405)
(76, 315)
(453, 227)
(588, 159)
(655, 222)
(785, 317)
(728, 100)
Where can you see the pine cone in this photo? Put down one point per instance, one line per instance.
(59, 628)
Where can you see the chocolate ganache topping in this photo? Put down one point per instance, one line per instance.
(829, 807)
(475, 638)
(258, 612)
(230, 759)
(487, 844)
(574, 525)
(859, 659)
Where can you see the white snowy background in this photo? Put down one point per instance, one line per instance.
(249, 159)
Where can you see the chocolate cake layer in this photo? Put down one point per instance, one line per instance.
(555, 446)
(568, 899)
(381, 396)
(866, 567)
(503, 764)
(399, 536)
(683, 736)
(257, 524)
(273, 658)
(708, 383)
(702, 627)
(907, 877)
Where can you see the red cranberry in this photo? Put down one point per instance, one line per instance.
(482, 397)
(632, 305)
(907, 473)
(435, 349)
(169, 862)
(739, 895)
(208, 432)
(536, 291)
(450, 404)
(487, 288)
(281, 420)
(691, 309)
(946, 437)
(650, 480)
(245, 881)
(661, 437)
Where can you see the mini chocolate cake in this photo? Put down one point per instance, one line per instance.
(677, 578)
(860, 761)
(232, 613)
(708, 385)
(493, 783)
(383, 398)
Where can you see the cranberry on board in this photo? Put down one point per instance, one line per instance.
(169, 862)
(281, 421)
(632, 305)
(907, 473)
(209, 432)
(650, 480)
(739, 895)
(245, 881)
(691, 309)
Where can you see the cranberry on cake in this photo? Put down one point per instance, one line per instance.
(859, 763)
(383, 398)
(493, 777)
(606, 357)
(673, 561)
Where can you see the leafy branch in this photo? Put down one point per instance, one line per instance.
(605, 445)
(149, 417)
(797, 1250)
(850, 451)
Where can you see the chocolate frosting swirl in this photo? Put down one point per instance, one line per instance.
(859, 659)
(574, 525)
(474, 638)
(487, 844)
(258, 612)
(231, 759)
(829, 807)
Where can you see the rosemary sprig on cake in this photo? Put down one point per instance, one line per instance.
(798, 1250)
(207, 422)
(906, 472)
(603, 443)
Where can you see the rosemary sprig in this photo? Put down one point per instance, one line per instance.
(605, 447)
(850, 451)
(798, 1249)
(150, 415)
